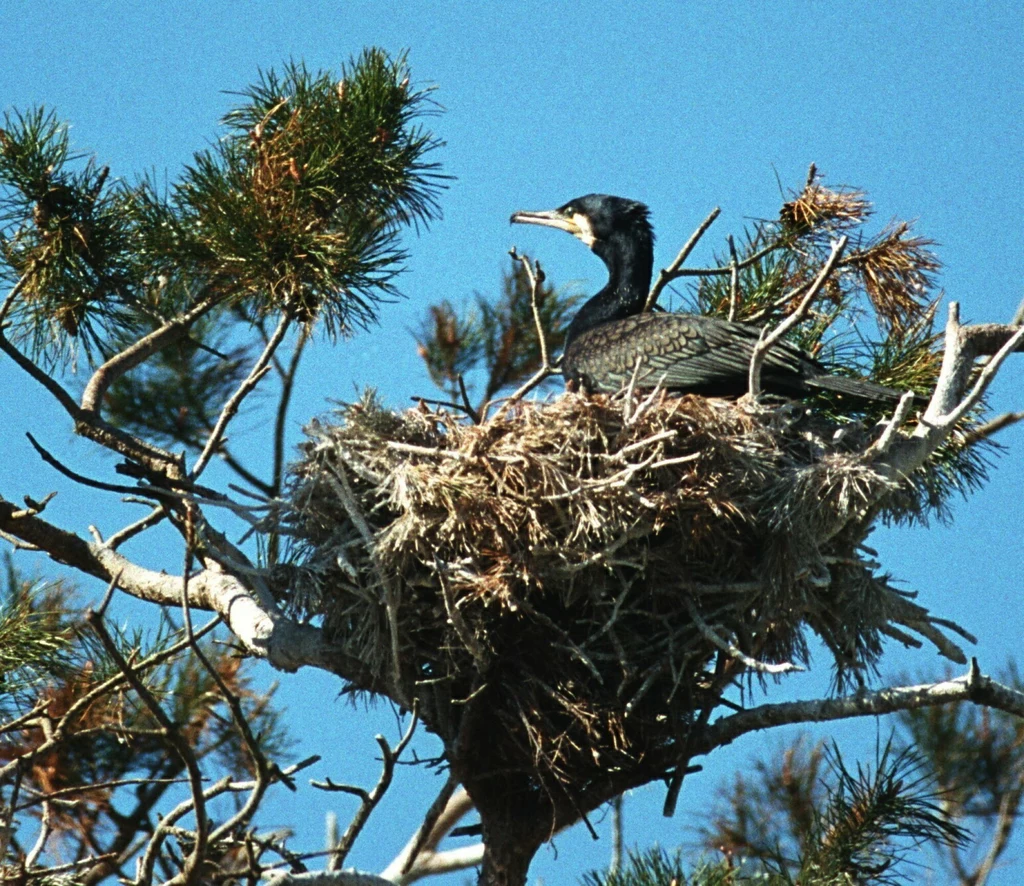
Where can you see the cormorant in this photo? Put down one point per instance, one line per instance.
(684, 352)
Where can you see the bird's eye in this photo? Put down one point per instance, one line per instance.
(569, 210)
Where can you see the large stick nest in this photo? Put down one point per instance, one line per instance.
(593, 570)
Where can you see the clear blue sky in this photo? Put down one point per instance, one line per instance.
(682, 105)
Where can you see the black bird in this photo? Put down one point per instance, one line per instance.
(682, 352)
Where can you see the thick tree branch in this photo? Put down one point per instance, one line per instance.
(973, 686)
(955, 395)
(420, 857)
(251, 614)
(90, 424)
(140, 351)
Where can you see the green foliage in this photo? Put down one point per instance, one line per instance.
(35, 637)
(876, 815)
(298, 210)
(884, 280)
(792, 818)
(497, 338)
(64, 234)
(889, 276)
(52, 664)
(655, 867)
(771, 808)
(300, 206)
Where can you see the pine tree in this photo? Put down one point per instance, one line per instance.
(567, 593)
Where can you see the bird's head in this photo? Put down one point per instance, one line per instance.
(601, 221)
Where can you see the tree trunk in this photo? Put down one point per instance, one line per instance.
(507, 857)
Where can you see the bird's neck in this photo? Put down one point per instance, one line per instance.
(630, 262)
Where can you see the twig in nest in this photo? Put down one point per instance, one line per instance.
(567, 641)
(627, 400)
(339, 482)
(536, 277)
(656, 393)
(465, 406)
(899, 416)
(715, 639)
(734, 279)
(455, 617)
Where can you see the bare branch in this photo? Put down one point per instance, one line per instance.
(166, 826)
(440, 818)
(174, 737)
(992, 427)
(370, 800)
(54, 463)
(11, 296)
(734, 279)
(90, 424)
(888, 435)
(536, 277)
(1005, 822)
(262, 767)
(420, 857)
(971, 687)
(46, 380)
(546, 369)
(667, 275)
(769, 339)
(287, 385)
(444, 862)
(234, 402)
(151, 519)
(45, 829)
(985, 378)
(140, 351)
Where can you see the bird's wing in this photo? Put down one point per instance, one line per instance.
(683, 352)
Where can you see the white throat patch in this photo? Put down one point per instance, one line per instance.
(586, 233)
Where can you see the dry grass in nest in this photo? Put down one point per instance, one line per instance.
(594, 570)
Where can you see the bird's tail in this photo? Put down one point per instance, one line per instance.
(858, 387)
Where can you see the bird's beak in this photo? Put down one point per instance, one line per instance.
(550, 218)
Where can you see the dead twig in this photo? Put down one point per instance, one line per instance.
(770, 338)
(260, 368)
(667, 275)
(734, 279)
(368, 799)
(536, 276)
